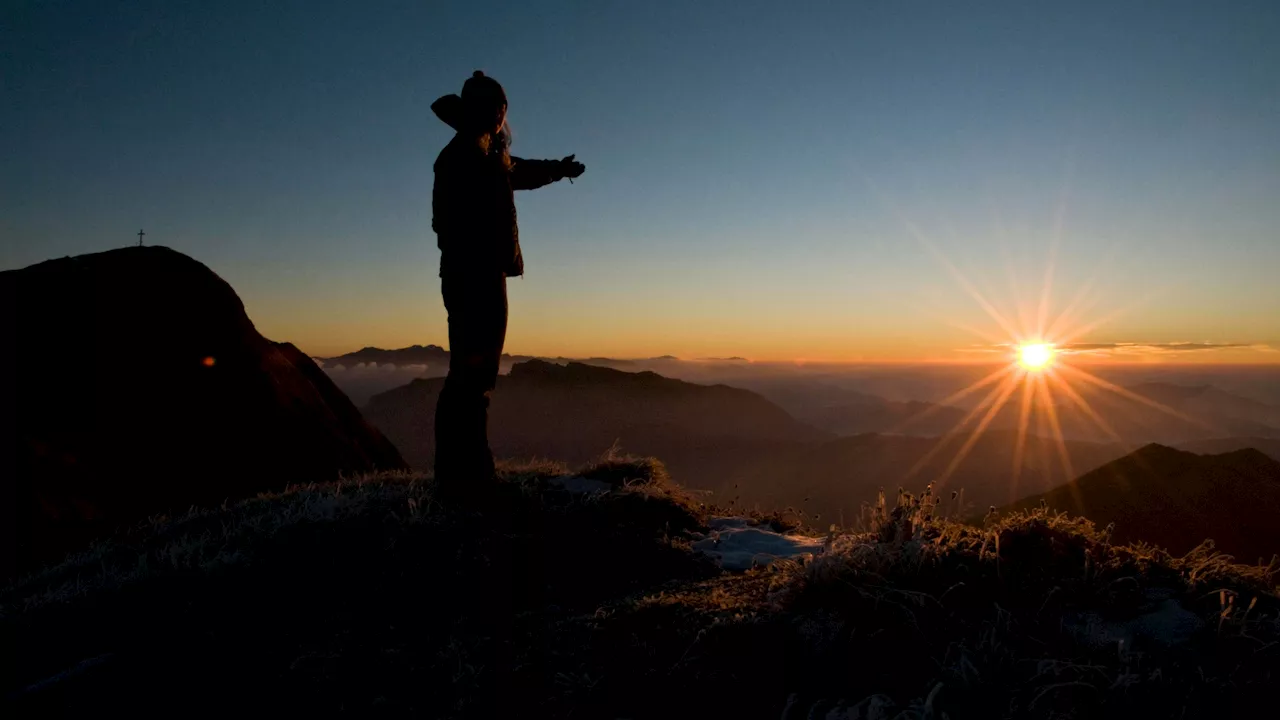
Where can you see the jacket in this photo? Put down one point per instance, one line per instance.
(473, 209)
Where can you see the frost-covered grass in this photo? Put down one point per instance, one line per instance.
(1033, 615)
(586, 599)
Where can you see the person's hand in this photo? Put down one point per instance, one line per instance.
(571, 168)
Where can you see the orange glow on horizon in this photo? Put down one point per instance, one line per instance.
(1047, 368)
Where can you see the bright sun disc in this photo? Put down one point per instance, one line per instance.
(1035, 356)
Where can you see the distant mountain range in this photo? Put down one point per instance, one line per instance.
(1175, 499)
(1146, 413)
(1217, 446)
(575, 412)
(816, 444)
(436, 355)
(369, 371)
(837, 477)
(1197, 413)
(1160, 412)
(849, 412)
(1206, 400)
(1166, 413)
(728, 440)
(413, 355)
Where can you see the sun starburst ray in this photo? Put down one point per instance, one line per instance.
(1059, 221)
(1131, 395)
(1046, 292)
(1007, 389)
(1078, 400)
(1060, 402)
(988, 337)
(956, 275)
(1051, 411)
(1074, 334)
(982, 301)
(1077, 304)
(955, 397)
(955, 431)
(1015, 293)
(1024, 419)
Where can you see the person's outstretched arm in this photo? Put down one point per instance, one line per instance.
(533, 174)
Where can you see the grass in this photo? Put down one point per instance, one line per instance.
(371, 597)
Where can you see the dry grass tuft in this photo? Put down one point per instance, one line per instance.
(375, 596)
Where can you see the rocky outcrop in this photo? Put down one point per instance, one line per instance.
(133, 383)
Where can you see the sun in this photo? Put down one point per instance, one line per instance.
(1035, 356)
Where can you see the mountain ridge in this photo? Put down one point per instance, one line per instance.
(1175, 499)
(573, 412)
(725, 439)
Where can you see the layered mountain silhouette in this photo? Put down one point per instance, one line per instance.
(838, 477)
(1206, 400)
(574, 412)
(371, 370)
(1162, 412)
(132, 383)
(891, 416)
(1217, 446)
(437, 356)
(413, 355)
(1156, 412)
(727, 440)
(898, 401)
(849, 412)
(1176, 499)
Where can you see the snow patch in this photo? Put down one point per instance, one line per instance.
(1163, 622)
(737, 543)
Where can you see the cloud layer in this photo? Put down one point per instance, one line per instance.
(1130, 349)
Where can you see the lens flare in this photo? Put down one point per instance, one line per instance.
(1052, 394)
(1035, 356)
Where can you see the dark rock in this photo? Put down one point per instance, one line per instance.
(133, 383)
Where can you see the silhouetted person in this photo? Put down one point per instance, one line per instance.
(474, 217)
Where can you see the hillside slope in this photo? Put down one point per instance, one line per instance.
(574, 412)
(372, 598)
(1176, 499)
(836, 479)
(132, 382)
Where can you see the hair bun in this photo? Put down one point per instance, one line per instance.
(478, 73)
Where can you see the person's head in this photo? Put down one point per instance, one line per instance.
(484, 104)
(484, 110)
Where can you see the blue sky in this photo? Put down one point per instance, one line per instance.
(753, 169)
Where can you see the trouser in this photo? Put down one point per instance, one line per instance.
(477, 307)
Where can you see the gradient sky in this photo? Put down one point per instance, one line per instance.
(759, 177)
